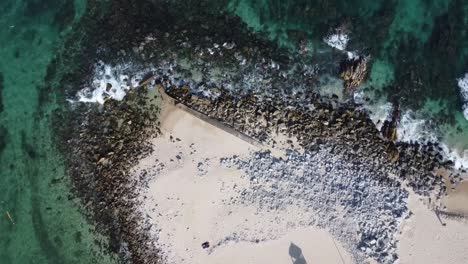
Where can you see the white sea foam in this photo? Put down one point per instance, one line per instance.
(352, 55)
(463, 84)
(459, 158)
(109, 82)
(414, 129)
(378, 112)
(338, 41)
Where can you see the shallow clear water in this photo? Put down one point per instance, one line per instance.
(40, 220)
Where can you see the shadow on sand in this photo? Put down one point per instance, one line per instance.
(295, 253)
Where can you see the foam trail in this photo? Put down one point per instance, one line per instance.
(463, 84)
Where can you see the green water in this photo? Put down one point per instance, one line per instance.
(47, 225)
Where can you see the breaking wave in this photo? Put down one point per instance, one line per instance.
(463, 84)
(338, 41)
(110, 82)
(414, 128)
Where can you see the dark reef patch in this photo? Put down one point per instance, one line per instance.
(3, 138)
(28, 148)
(29, 35)
(2, 86)
(65, 15)
(53, 253)
(39, 7)
(5, 5)
(17, 54)
(422, 68)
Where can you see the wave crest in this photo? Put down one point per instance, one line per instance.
(463, 84)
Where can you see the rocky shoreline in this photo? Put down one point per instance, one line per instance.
(350, 133)
(107, 141)
(246, 83)
(343, 143)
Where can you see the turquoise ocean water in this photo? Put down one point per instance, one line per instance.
(40, 221)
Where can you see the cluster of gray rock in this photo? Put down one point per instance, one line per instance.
(203, 167)
(242, 62)
(325, 123)
(350, 202)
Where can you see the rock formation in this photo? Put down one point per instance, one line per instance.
(353, 71)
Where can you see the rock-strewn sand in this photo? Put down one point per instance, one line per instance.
(190, 200)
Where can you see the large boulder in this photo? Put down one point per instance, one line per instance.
(389, 128)
(353, 71)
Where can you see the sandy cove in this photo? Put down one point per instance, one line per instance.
(185, 201)
(191, 198)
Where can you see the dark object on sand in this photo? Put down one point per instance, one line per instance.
(205, 244)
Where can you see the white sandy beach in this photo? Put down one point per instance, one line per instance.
(192, 199)
(191, 205)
